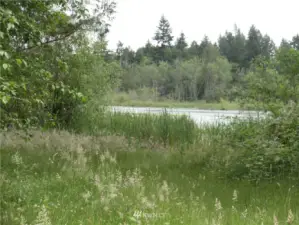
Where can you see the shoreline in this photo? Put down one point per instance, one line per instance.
(198, 105)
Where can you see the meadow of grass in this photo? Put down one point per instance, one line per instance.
(124, 99)
(63, 178)
(122, 168)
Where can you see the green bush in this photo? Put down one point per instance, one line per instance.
(257, 148)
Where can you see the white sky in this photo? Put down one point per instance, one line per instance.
(136, 20)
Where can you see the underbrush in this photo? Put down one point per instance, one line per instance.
(63, 178)
(257, 149)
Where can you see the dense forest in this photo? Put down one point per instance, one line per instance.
(168, 67)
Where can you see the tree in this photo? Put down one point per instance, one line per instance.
(180, 47)
(239, 48)
(271, 84)
(253, 44)
(163, 34)
(267, 47)
(39, 39)
(128, 57)
(225, 45)
(119, 51)
(181, 43)
(284, 44)
(193, 50)
(204, 43)
(295, 42)
(164, 40)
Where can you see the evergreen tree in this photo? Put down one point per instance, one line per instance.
(163, 34)
(180, 47)
(119, 51)
(181, 43)
(239, 48)
(226, 45)
(295, 42)
(203, 45)
(253, 44)
(193, 50)
(284, 44)
(164, 40)
(267, 47)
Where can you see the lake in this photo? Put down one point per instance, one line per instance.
(199, 116)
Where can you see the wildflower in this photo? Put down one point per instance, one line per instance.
(86, 195)
(43, 217)
(17, 159)
(23, 221)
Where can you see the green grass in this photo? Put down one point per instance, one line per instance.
(134, 166)
(123, 99)
(242, 149)
(163, 128)
(76, 179)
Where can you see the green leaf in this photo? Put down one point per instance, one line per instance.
(19, 62)
(5, 54)
(25, 63)
(5, 99)
(5, 66)
(10, 26)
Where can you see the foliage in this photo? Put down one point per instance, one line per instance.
(271, 84)
(186, 80)
(240, 50)
(170, 130)
(39, 40)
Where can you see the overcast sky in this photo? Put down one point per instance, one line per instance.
(136, 20)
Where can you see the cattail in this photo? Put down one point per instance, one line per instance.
(290, 219)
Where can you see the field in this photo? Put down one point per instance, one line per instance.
(133, 173)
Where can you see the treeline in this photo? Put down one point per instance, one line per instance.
(53, 75)
(202, 70)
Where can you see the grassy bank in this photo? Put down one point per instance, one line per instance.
(124, 99)
(62, 178)
(253, 149)
(122, 168)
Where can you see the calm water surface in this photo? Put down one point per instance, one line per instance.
(199, 116)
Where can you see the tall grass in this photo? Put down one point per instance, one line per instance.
(254, 148)
(244, 172)
(166, 129)
(62, 178)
